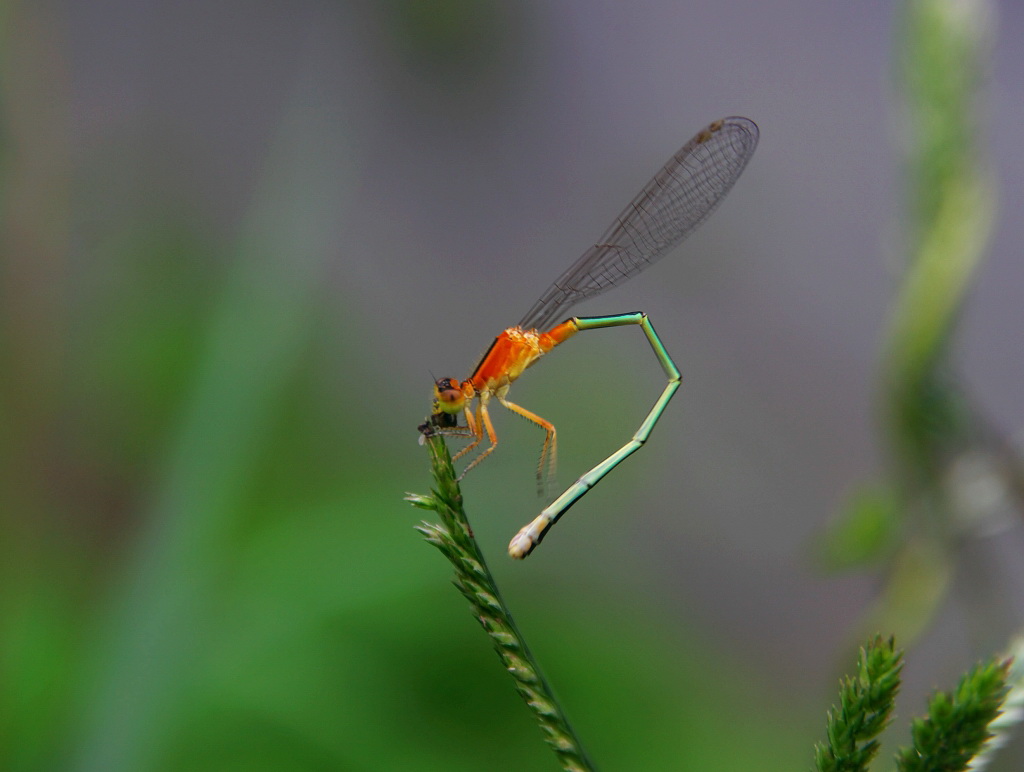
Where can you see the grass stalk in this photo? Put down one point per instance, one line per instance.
(454, 537)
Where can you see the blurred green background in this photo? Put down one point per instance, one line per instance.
(240, 240)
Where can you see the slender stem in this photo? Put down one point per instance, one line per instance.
(454, 537)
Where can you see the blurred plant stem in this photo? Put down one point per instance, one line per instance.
(159, 618)
(37, 648)
(915, 517)
(454, 537)
(950, 209)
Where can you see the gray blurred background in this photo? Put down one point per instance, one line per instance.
(257, 232)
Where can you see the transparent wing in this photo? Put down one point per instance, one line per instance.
(667, 210)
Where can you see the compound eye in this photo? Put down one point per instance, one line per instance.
(448, 396)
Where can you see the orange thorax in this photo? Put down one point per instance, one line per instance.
(513, 351)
